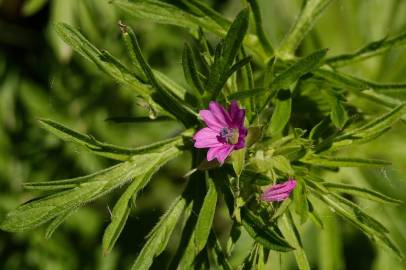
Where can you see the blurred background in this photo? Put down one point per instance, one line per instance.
(41, 77)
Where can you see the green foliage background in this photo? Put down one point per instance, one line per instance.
(40, 77)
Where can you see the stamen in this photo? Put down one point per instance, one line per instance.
(229, 135)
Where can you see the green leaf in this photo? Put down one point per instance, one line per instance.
(361, 192)
(104, 149)
(290, 231)
(103, 60)
(162, 96)
(230, 46)
(262, 36)
(371, 49)
(238, 158)
(282, 164)
(81, 190)
(160, 235)
(338, 114)
(303, 24)
(206, 216)
(281, 114)
(263, 233)
(300, 200)
(327, 161)
(190, 70)
(123, 206)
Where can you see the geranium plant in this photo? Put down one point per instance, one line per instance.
(249, 142)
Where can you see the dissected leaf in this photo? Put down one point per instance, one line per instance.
(122, 207)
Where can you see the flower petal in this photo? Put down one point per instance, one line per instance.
(287, 186)
(212, 153)
(210, 120)
(279, 192)
(220, 114)
(277, 198)
(205, 138)
(237, 115)
(224, 153)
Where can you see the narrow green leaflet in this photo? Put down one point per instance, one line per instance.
(162, 96)
(282, 111)
(202, 10)
(303, 66)
(103, 60)
(38, 212)
(30, 7)
(282, 164)
(238, 158)
(382, 122)
(303, 24)
(81, 191)
(160, 12)
(206, 216)
(328, 161)
(160, 235)
(104, 149)
(300, 201)
(164, 13)
(173, 87)
(54, 224)
(138, 119)
(190, 70)
(369, 50)
(229, 49)
(361, 215)
(330, 244)
(361, 192)
(352, 218)
(220, 255)
(244, 94)
(122, 208)
(263, 233)
(290, 231)
(342, 80)
(202, 228)
(338, 114)
(262, 36)
(371, 130)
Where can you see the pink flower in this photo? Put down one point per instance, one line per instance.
(279, 192)
(224, 133)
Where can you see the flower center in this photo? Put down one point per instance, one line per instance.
(229, 135)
